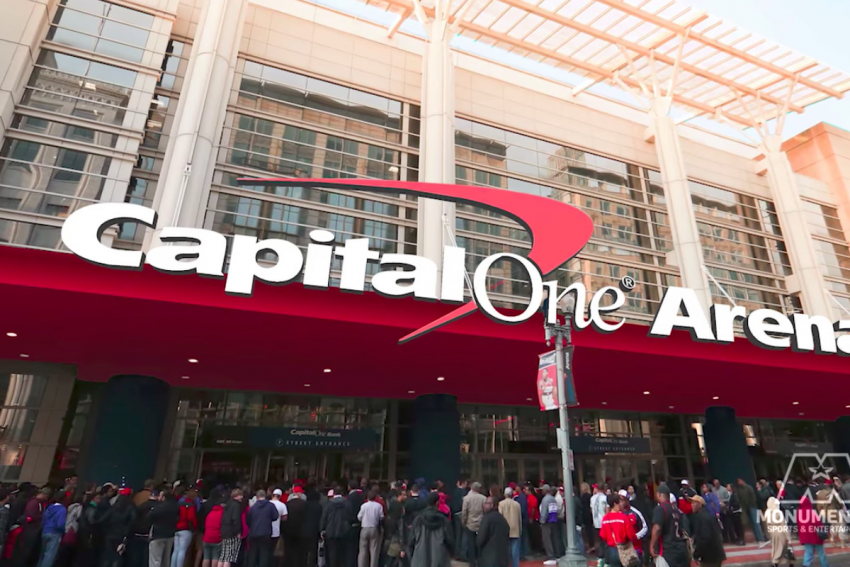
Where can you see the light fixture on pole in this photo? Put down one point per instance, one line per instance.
(563, 337)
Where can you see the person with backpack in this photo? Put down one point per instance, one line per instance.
(52, 530)
(638, 521)
(187, 523)
(669, 540)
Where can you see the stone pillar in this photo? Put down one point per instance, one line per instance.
(726, 448)
(437, 156)
(130, 418)
(435, 439)
(683, 224)
(190, 154)
(798, 239)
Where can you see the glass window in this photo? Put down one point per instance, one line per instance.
(22, 390)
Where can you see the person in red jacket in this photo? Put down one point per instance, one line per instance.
(812, 533)
(535, 535)
(212, 535)
(187, 523)
(617, 528)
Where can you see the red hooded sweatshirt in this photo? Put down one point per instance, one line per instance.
(617, 527)
(808, 523)
(212, 525)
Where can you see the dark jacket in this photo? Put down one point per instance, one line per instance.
(430, 541)
(456, 503)
(142, 525)
(163, 517)
(118, 521)
(586, 512)
(708, 541)
(493, 540)
(231, 520)
(523, 506)
(312, 516)
(747, 497)
(336, 518)
(296, 509)
(763, 494)
(355, 501)
(260, 517)
(413, 506)
(393, 522)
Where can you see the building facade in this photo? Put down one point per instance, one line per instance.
(169, 103)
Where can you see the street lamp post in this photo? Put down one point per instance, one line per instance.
(562, 336)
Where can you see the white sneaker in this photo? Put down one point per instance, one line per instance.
(550, 562)
(764, 544)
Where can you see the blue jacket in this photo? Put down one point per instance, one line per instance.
(53, 521)
(712, 502)
(523, 506)
(260, 517)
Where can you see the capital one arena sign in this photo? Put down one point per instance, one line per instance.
(558, 232)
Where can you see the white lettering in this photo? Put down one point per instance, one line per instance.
(479, 288)
(763, 321)
(317, 266)
(205, 257)
(803, 338)
(579, 321)
(355, 256)
(843, 341)
(693, 318)
(723, 321)
(82, 230)
(454, 271)
(244, 266)
(419, 282)
(597, 309)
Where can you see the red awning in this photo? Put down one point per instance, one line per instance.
(110, 322)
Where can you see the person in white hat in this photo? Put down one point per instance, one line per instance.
(283, 513)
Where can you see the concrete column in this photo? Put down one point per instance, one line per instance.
(190, 153)
(725, 446)
(437, 157)
(24, 26)
(435, 439)
(807, 278)
(683, 224)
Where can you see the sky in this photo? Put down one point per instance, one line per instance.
(817, 28)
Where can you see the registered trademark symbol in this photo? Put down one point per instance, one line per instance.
(627, 283)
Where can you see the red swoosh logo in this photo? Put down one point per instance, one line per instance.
(558, 230)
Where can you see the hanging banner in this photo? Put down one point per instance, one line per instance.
(547, 380)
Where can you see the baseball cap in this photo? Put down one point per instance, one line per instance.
(623, 493)
(663, 489)
(697, 499)
(685, 481)
(297, 490)
(277, 492)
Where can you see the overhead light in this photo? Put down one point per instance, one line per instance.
(440, 378)
(646, 393)
(185, 377)
(716, 398)
(801, 413)
(795, 403)
(327, 371)
(671, 407)
(411, 391)
(527, 399)
(306, 385)
(25, 356)
(12, 334)
(193, 360)
(604, 403)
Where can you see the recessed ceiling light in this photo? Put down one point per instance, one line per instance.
(306, 385)
(795, 403)
(646, 393)
(440, 378)
(185, 377)
(801, 413)
(11, 334)
(671, 407)
(527, 399)
(193, 360)
(25, 356)
(716, 398)
(327, 370)
(411, 391)
(604, 403)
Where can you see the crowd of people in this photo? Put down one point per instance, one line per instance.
(367, 524)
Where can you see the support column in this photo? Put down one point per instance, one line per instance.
(437, 157)
(683, 224)
(725, 446)
(798, 239)
(129, 423)
(190, 154)
(435, 439)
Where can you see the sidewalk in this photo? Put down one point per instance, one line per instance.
(749, 554)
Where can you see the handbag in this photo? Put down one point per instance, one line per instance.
(628, 555)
